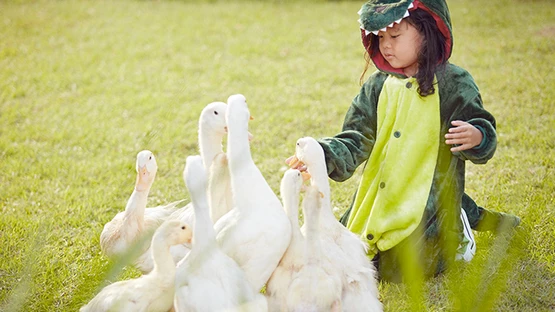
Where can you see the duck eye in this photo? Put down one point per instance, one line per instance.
(149, 157)
(183, 227)
(215, 112)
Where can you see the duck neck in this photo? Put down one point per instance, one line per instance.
(203, 232)
(319, 178)
(219, 188)
(162, 258)
(210, 145)
(238, 148)
(291, 205)
(136, 205)
(312, 223)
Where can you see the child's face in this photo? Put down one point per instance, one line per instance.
(399, 45)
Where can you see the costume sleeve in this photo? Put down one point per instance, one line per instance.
(464, 98)
(351, 147)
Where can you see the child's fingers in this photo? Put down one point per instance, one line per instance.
(461, 128)
(462, 147)
(295, 163)
(288, 160)
(457, 123)
(461, 135)
(457, 135)
(457, 129)
(457, 139)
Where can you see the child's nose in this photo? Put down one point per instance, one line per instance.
(387, 43)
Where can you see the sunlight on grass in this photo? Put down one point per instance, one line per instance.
(85, 85)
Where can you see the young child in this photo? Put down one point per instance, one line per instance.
(414, 123)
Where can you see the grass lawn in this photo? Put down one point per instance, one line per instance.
(86, 85)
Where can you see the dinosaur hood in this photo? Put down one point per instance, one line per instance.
(376, 15)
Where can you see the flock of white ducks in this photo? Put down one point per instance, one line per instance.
(248, 251)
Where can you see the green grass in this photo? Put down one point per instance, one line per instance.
(85, 85)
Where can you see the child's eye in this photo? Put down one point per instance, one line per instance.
(394, 36)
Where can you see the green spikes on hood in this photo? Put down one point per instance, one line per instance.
(378, 15)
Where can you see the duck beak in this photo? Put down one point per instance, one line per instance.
(143, 171)
(142, 176)
(251, 118)
(306, 176)
(295, 162)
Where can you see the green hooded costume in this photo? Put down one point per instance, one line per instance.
(409, 201)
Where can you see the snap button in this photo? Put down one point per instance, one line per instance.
(370, 237)
(382, 184)
(397, 134)
(409, 85)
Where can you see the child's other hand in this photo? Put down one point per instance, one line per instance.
(295, 163)
(464, 135)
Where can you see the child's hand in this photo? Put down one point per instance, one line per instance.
(463, 134)
(295, 163)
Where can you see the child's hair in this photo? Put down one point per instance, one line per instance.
(432, 55)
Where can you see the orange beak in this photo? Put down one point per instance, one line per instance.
(142, 170)
(295, 162)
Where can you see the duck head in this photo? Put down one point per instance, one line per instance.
(307, 151)
(195, 176)
(174, 232)
(238, 111)
(146, 168)
(293, 180)
(212, 119)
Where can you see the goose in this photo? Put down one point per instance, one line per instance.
(317, 285)
(153, 291)
(291, 262)
(344, 249)
(256, 232)
(207, 279)
(132, 228)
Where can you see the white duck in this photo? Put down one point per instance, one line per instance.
(212, 120)
(207, 279)
(150, 292)
(345, 250)
(256, 232)
(317, 285)
(130, 230)
(212, 128)
(278, 284)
